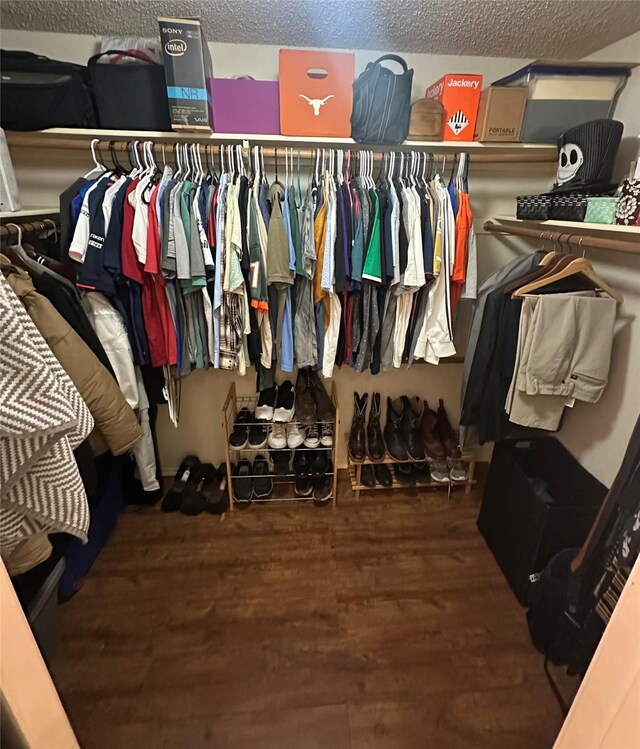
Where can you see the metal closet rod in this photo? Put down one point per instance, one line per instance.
(582, 241)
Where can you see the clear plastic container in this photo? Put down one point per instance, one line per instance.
(562, 96)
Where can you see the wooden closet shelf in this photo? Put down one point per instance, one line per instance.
(7, 217)
(79, 138)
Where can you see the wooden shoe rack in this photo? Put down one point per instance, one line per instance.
(283, 485)
(355, 475)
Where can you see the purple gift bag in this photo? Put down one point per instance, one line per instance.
(245, 106)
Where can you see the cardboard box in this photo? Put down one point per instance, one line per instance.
(187, 65)
(460, 95)
(500, 113)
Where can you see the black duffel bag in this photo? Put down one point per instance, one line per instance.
(382, 104)
(130, 97)
(37, 93)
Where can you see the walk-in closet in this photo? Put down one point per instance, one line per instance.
(319, 414)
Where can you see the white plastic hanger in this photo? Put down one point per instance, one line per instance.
(99, 168)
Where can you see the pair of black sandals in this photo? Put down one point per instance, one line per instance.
(198, 487)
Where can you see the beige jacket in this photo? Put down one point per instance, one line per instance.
(117, 427)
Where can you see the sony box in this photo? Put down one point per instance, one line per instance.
(500, 113)
(460, 95)
(187, 65)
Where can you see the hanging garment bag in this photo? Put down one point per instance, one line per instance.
(382, 103)
(38, 93)
(130, 96)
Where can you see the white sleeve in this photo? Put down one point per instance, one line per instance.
(80, 241)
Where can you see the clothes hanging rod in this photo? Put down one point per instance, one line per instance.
(34, 226)
(80, 139)
(581, 241)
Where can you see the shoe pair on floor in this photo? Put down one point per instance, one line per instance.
(198, 487)
(405, 474)
(251, 480)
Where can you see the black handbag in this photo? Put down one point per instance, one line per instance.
(382, 104)
(37, 93)
(130, 97)
(568, 207)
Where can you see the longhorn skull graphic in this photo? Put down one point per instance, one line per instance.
(316, 103)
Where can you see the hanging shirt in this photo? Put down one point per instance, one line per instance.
(372, 269)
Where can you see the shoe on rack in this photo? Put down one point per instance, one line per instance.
(432, 444)
(193, 502)
(284, 409)
(375, 443)
(323, 486)
(421, 473)
(242, 482)
(319, 463)
(240, 434)
(458, 472)
(302, 463)
(367, 476)
(324, 405)
(383, 475)
(412, 414)
(445, 432)
(266, 404)
(326, 434)
(357, 446)
(257, 436)
(262, 481)
(392, 431)
(277, 436)
(305, 404)
(295, 435)
(184, 484)
(312, 440)
(303, 487)
(439, 470)
(281, 460)
(403, 474)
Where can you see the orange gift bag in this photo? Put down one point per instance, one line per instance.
(316, 92)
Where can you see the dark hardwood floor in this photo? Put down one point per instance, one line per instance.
(383, 625)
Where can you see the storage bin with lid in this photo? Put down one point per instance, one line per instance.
(562, 95)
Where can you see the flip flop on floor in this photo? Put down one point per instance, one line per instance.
(172, 500)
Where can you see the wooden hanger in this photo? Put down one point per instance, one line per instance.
(579, 265)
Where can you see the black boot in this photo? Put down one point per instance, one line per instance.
(411, 434)
(375, 443)
(392, 431)
(357, 444)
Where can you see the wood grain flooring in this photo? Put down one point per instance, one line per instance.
(385, 624)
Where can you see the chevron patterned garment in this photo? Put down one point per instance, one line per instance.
(42, 420)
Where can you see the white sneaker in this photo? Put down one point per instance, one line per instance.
(278, 436)
(312, 440)
(326, 434)
(295, 435)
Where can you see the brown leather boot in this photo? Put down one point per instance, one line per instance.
(445, 432)
(433, 445)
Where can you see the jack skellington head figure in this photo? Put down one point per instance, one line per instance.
(586, 154)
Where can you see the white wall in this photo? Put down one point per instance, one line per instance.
(598, 434)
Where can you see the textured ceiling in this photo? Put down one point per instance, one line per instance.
(492, 28)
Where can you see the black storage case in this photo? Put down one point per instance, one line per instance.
(522, 531)
(130, 97)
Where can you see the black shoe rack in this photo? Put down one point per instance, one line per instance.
(283, 484)
(355, 476)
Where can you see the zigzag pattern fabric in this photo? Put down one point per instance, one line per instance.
(42, 420)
